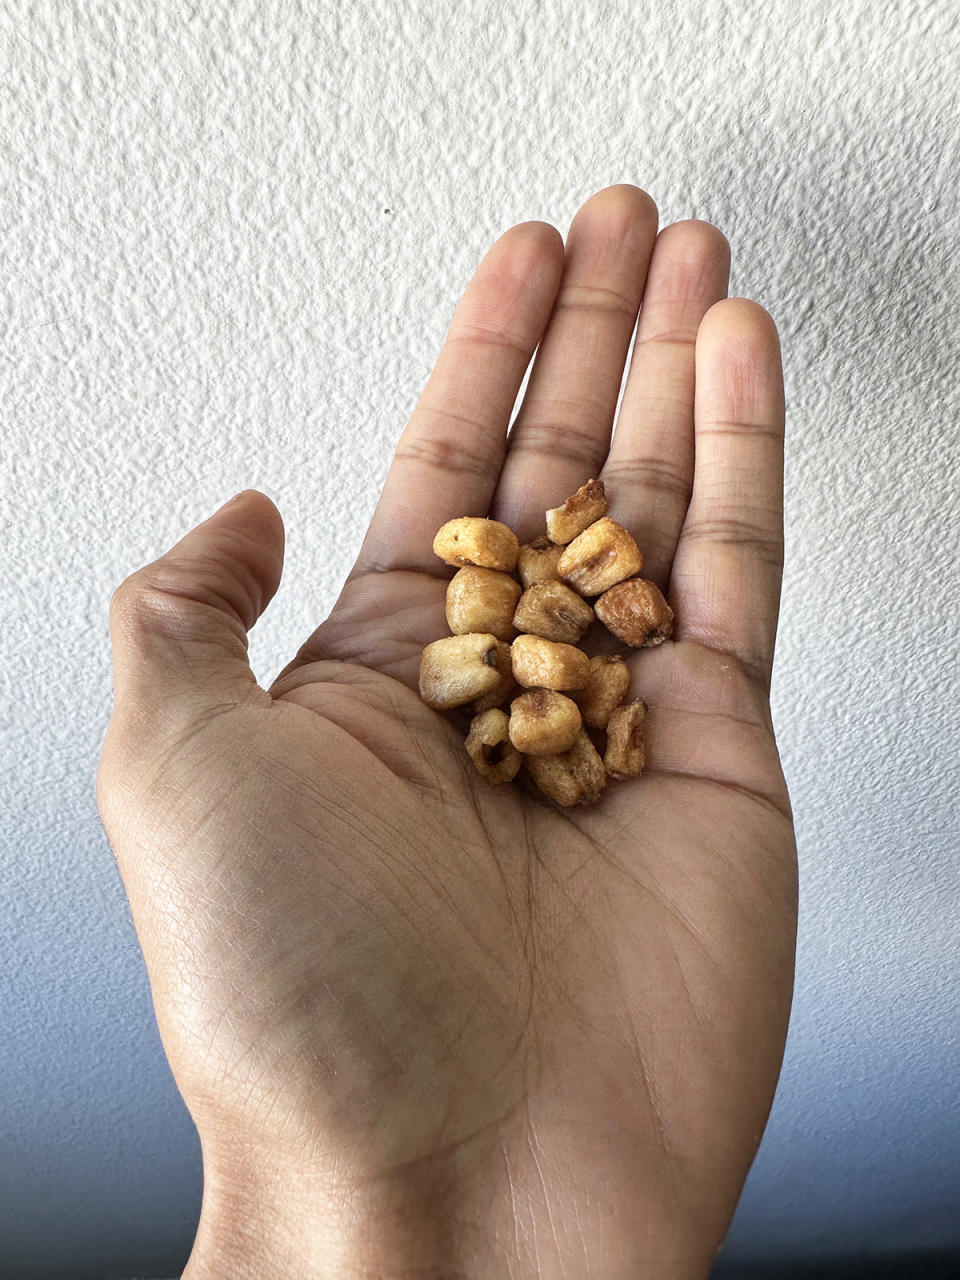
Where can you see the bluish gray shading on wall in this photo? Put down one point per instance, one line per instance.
(204, 291)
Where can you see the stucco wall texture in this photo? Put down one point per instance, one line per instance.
(233, 237)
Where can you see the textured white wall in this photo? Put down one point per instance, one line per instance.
(233, 236)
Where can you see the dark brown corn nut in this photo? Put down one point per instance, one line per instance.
(489, 747)
(474, 540)
(579, 511)
(552, 610)
(602, 555)
(626, 752)
(576, 776)
(458, 669)
(636, 612)
(608, 681)
(543, 722)
(537, 561)
(543, 664)
(482, 600)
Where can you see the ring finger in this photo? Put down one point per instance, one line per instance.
(649, 472)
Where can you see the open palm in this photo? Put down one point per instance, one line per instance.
(428, 1020)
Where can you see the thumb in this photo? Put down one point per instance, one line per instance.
(178, 626)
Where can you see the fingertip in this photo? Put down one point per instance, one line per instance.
(532, 242)
(738, 315)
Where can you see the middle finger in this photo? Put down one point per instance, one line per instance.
(561, 433)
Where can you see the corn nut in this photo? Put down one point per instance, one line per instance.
(489, 747)
(537, 561)
(602, 555)
(579, 511)
(482, 600)
(539, 663)
(608, 681)
(543, 722)
(475, 540)
(636, 612)
(576, 776)
(554, 611)
(626, 753)
(458, 669)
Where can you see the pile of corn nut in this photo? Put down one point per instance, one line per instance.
(515, 641)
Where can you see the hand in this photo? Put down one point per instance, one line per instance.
(426, 1027)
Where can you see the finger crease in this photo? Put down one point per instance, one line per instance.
(480, 336)
(653, 474)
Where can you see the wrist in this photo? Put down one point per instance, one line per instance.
(274, 1215)
(267, 1217)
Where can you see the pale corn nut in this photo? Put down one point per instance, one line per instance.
(579, 511)
(608, 681)
(554, 611)
(476, 540)
(543, 722)
(601, 556)
(636, 612)
(482, 600)
(506, 687)
(576, 776)
(544, 664)
(458, 669)
(537, 561)
(488, 745)
(626, 752)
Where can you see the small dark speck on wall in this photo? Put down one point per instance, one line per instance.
(388, 211)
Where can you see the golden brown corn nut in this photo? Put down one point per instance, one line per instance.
(474, 540)
(554, 611)
(600, 556)
(489, 747)
(543, 722)
(482, 600)
(506, 687)
(539, 663)
(458, 669)
(576, 776)
(626, 752)
(537, 561)
(608, 681)
(579, 511)
(636, 612)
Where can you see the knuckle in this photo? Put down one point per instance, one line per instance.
(737, 531)
(655, 476)
(440, 453)
(558, 439)
(595, 299)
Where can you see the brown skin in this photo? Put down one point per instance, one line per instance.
(429, 1028)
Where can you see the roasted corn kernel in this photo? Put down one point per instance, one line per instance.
(576, 776)
(636, 612)
(543, 722)
(579, 511)
(458, 669)
(602, 555)
(552, 610)
(489, 747)
(608, 681)
(537, 561)
(482, 600)
(539, 663)
(626, 753)
(474, 540)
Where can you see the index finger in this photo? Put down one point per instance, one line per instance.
(727, 572)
